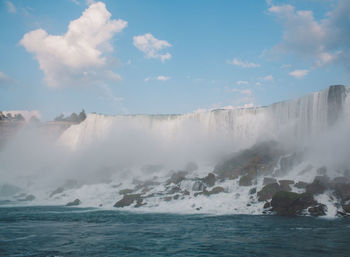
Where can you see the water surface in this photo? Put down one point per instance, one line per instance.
(64, 231)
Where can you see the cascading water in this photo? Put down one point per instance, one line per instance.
(107, 156)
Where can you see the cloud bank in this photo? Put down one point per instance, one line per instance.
(78, 56)
(323, 42)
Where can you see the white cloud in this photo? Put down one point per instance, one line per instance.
(243, 64)
(268, 78)
(286, 66)
(247, 92)
(163, 78)
(159, 78)
(258, 83)
(77, 56)
(299, 74)
(11, 8)
(242, 82)
(322, 42)
(152, 47)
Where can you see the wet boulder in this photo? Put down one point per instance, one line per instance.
(262, 158)
(209, 180)
(301, 185)
(346, 207)
(125, 191)
(267, 205)
(318, 186)
(76, 202)
(127, 200)
(342, 190)
(268, 181)
(252, 191)
(285, 185)
(317, 210)
(290, 203)
(173, 190)
(268, 191)
(177, 177)
(198, 186)
(214, 191)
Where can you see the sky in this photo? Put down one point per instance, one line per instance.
(159, 57)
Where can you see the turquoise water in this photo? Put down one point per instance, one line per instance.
(64, 231)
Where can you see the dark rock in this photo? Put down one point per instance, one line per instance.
(346, 207)
(173, 190)
(267, 205)
(57, 191)
(318, 210)
(176, 197)
(128, 200)
(340, 180)
(322, 179)
(215, 190)
(322, 171)
(301, 185)
(261, 158)
(342, 214)
(76, 202)
(284, 185)
(139, 203)
(318, 186)
(342, 190)
(268, 191)
(209, 180)
(198, 186)
(125, 191)
(290, 203)
(186, 192)
(167, 198)
(177, 177)
(268, 181)
(252, 191)
(246, 180)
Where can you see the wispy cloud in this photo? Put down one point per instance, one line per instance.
(268, 78)
(299, 74)
(11, 8)
(159, 78)
(242, 82)
(152, 47)
(243, 64)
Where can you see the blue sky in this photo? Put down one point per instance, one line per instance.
(128, 57)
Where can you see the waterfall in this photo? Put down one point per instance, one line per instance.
(299, 119)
